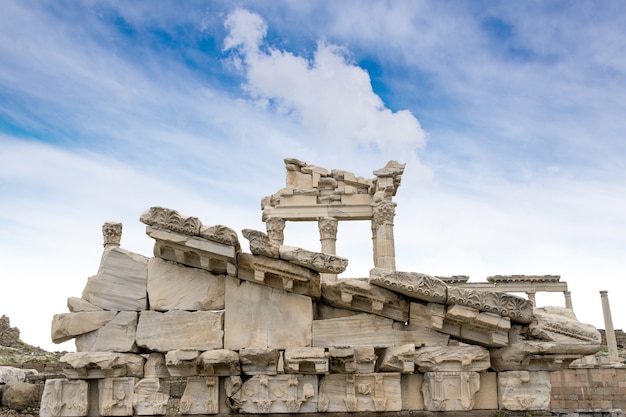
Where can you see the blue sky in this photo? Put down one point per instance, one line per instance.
(509, 116)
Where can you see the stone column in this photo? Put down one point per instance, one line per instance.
(328, 238)
(382, 234)
(568, 300)
(275, 227)
(531, 297)
(112, 234)
(608, 327)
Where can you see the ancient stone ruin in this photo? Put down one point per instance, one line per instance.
(274, 330)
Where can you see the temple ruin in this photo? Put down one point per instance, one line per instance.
(274, 330)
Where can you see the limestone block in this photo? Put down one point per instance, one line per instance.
(194, 251)
(349, 360)
(358, 295)
(201, 396)
(364, 330)
(306, 360)
(559, 324)
(507, 305)
(452, 358)
(524, 390)
(450, 390)
(66, 326)
(262, 317)
(150, 397)
(412, 398)
(118, 335)
(177, 329)
(64, 398)
(219, 362)
(486, 397)
(316, 261)
(398, 359)
(412, 284)
(120, 283)
(278, 274)
(261, 361)
(473, 326)
(78, 305)
(260, 243)
(172, 286)
(263, 394)
(360, 392)
(94, 365)
(155, 366)
(182, 362)
(10, 375)
(116, 396)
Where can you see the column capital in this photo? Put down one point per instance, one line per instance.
(111, 234)
(327, 227)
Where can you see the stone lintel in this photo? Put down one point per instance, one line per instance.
(312, 213)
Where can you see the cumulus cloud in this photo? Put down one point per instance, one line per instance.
(329, 95)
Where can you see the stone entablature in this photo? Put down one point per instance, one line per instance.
(267, 331)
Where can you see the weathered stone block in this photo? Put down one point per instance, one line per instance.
(317, 261)
(155, 366)
(450, 391)
(398, 359)
(96, 365)
(412, 398)
(262, 361)
(118, 335)
(66, 326)
(507, 305)
(452, 358)
(349, 360)
(176, 329)
(182, 362)
(260, 243)
(412, 284)
(306, 360)
(201, 396)
(360, 392)
(486, 397)
(219, 362)
(292, 393)
(78, 305)
(524, 390)
(150, 397)
(64, 398)
(262, 317)
(173, 286)
(116, 396)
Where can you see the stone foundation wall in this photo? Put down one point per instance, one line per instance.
(589, 389)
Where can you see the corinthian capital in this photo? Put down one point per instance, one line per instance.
(383, 212)
(327, 227)
(112, 233)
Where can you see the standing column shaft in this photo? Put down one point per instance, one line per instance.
(608, 327)
(568, 300)
(328, 238)
(382, 234)
(532, 298)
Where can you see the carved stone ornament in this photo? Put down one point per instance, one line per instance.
(260, 243)
(517, 308)
(112, 233)
(263, 394)
(221, 234)
(201, 396)
(64, 398)
(559, 324)
(412, 284)
(342, 393)
(383, 213)
(524, 390)
(450, 391)
(275, 229)
(327, 227)
(317, 261)
(116, 396)
(169, 219)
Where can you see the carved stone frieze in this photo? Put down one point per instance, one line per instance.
(279, 274)
(261, 244)
(524, 390)
(473, 326)
(359, 295)
(450, 390)
(95, 365)
(412, 284)
(516, 308)
(350, 360)
(64, 398)
(452, 358)
(559, 324)
(317, 261)
(201, 396)
(340, 393)
(168, 219)
(111, 233)
(306, 360)
(263, 394)
(115, 396)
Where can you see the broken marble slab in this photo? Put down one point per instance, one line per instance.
(359, 295)
(278, 274)
(398, 359)
(450, 390)
(195, 251)
(95, 365)
(182, 362)
(219, 362)
(115, 396)
(258, 316)
(67, 326)
(150, 397)
(524, 390)
(412, 284)
(452, 358)
(201, 396)
(342, 393)
(289, 393)
(120, 284)
(155, 366)
(507, 305)
(118, 335)
(172, 286)
(316, 261)
(64, 398)
(260, 243)
(473, 326)
(559, 324)
(349, 359)
(78, 305)
(305, 360)
(177, 329)
(259, 361)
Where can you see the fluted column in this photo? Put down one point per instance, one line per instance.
(382, 234)
(608, 327)
(275, 227)
(111, 234)
(328, 238)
